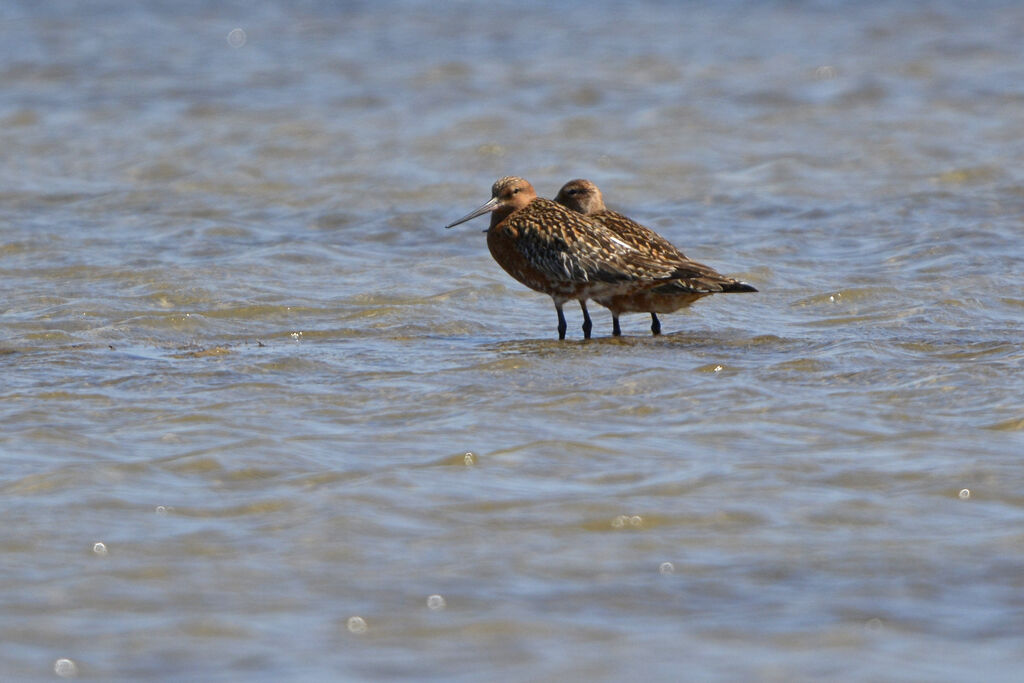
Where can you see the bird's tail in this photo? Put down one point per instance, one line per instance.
(737, 286)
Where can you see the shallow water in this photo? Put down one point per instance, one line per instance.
(238, 349)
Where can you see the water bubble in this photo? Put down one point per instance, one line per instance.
(873, 624)
(296, 335)
(99, 548)
(436, 602)
(636, 520)
(718, 368)
(469, 459)
(162, 510)
(825, 72)
(666, 568)
(619, 521)
(964, 494)
(65, 668)
(236, 38)
(357, 625)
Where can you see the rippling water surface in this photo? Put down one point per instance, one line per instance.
(239, 352)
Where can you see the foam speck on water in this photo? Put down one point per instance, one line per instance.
(65, 668)
(356, 624)
(237, 38)
(623, 521)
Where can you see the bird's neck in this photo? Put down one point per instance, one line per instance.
(503, 212)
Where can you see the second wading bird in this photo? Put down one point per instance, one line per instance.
(563, 254)
(697, 280)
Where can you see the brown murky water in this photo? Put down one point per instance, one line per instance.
(238, 351)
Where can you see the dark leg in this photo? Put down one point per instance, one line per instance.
(561, 321)
(616, 330)
(655, 324)
(587, 325)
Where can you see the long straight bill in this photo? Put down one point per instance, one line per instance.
(486, 208)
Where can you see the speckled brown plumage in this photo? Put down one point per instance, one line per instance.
(559, 252)
(697, 280)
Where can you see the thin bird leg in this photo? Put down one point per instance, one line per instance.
(616, 330)
(561, 321)
(587, 325)
(655, 324)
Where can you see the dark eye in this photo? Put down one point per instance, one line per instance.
(574, 191)
(515, 190)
